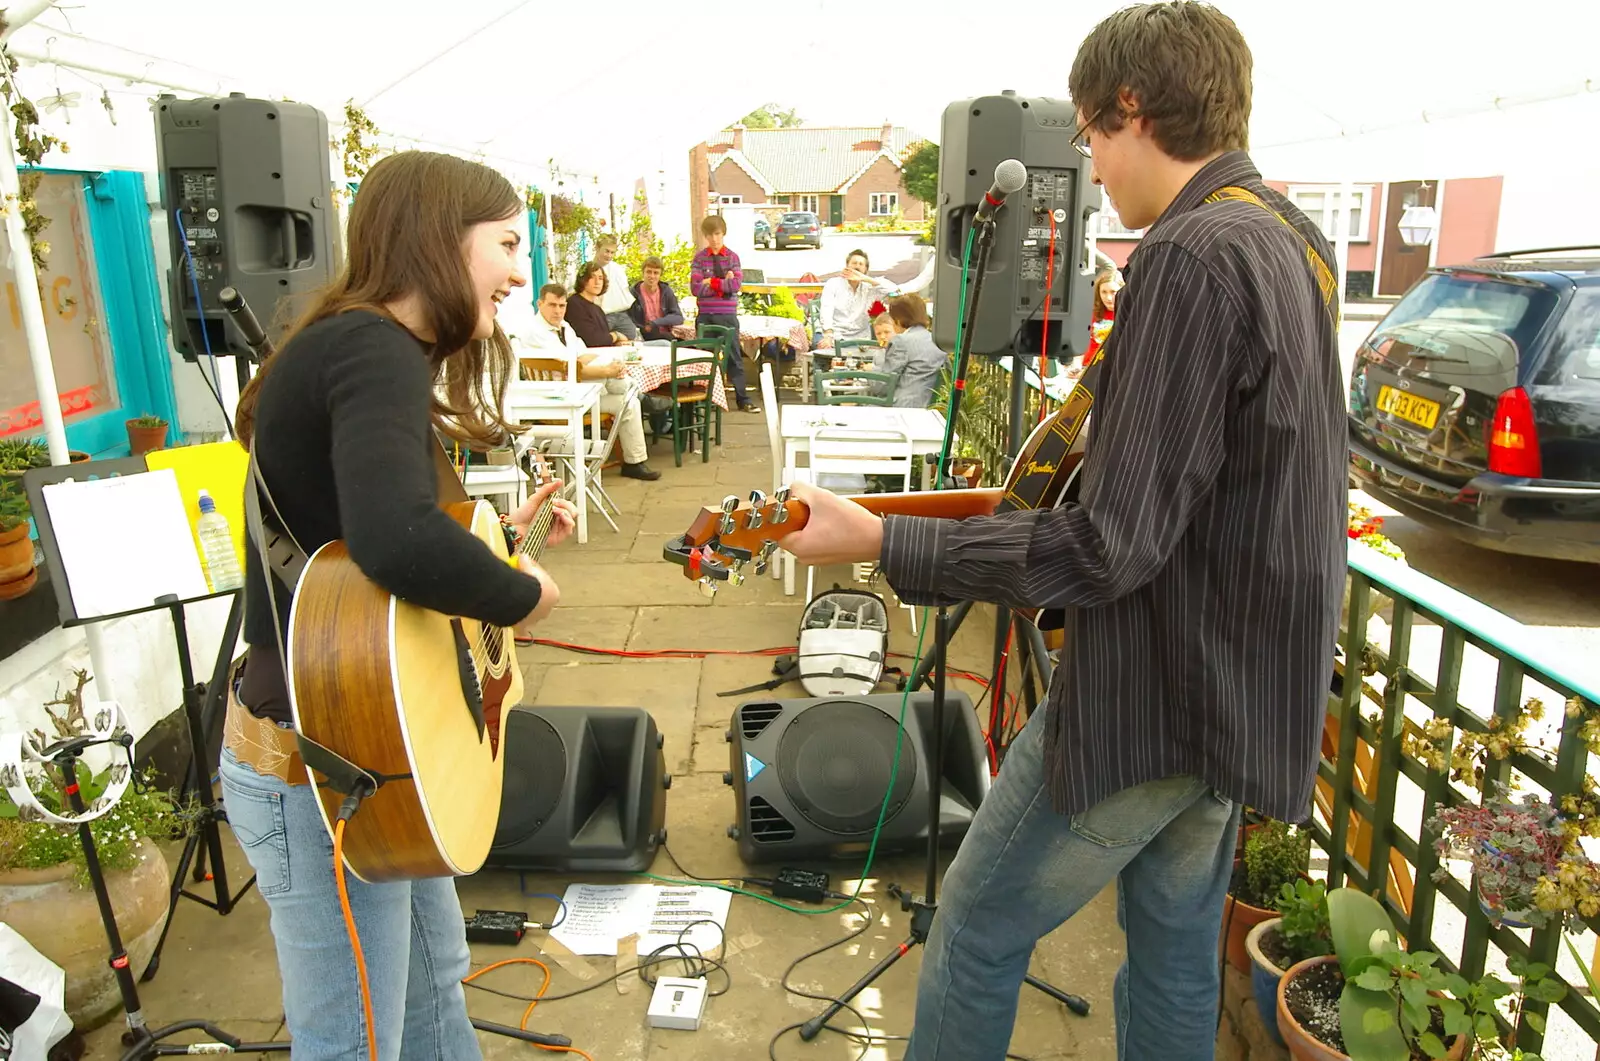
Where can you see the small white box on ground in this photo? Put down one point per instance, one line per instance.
(677, 1003)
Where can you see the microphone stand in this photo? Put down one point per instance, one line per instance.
(924, 909)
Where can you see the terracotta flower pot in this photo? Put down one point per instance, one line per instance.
(17, 573)
(1238, 918)
(1303, 1046)
(62, 920)
(144, 439)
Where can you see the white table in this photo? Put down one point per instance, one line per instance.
(550, 400)
(925, 427)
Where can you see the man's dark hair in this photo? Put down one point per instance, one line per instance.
(1185, 64)
(858, 253)
(553, 290)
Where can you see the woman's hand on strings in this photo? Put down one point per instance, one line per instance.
(563, 514)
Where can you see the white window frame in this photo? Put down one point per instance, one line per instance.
(809, 204)
(882, 204)
(1360, 193)
(1107, 225)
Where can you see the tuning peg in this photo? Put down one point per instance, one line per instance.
(708, 588)
(730, 505)
(781, 501)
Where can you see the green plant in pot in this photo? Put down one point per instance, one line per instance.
(1374, 1001)
(18, 455)
(146, 433)
(1513, 845)
(17, 572)
(1274, 855)
(1300, 931)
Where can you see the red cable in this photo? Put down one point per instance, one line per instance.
(1044, 333)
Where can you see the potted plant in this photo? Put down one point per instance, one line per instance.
(1300, 931)
(1274, 855)
(17, 573)
(1373, 1001)
(146, 433)
(1512, 845)
(17, 455)
(44, 890)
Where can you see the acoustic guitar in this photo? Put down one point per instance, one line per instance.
(415, 695)
(723, 540)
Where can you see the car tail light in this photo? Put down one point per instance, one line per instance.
(1513, 441)
(813, 228)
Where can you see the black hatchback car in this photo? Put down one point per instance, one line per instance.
(1475, 403)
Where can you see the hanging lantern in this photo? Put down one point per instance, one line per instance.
(1419, 225)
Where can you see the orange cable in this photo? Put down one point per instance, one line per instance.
(527, 1013)
(355, 940)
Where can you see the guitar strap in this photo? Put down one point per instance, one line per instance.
(1322, 270)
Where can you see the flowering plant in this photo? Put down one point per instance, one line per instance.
(877, 309)
(1364, 527)
(1514, 846)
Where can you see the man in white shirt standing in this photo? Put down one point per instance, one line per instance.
(618, 297)
(551, 334)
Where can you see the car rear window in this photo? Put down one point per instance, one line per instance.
(1576, 350)
(1473, 302)
(797, 218)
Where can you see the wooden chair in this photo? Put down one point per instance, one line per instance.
(826, 395)
(692, 407)
(546, 369)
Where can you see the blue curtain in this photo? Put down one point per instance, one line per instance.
(541, 261)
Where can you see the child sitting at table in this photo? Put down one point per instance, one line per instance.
(882, 325)
(912, 357)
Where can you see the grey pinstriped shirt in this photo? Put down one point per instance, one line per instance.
(1202, 567)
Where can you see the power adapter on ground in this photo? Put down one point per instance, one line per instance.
(806, 885)
(497, 926)
(677, 1003)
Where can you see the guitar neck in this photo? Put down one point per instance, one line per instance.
(939, 504)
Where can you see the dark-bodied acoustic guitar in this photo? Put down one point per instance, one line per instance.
(411, 694)
(723, 540)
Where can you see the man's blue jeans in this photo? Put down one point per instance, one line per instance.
(412, 936)
(1023, 869)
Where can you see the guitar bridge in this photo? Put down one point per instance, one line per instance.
(471, 688)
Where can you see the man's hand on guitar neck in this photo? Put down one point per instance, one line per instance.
(837, 531)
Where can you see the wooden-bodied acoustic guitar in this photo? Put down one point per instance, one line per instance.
(414, 695)
(723, 540)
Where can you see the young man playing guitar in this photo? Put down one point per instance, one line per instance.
(341, 424)
(1200, 569)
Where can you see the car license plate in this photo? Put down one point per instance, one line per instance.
(1408, 407)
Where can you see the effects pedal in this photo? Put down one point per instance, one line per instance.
(806, 885)
(497, 926)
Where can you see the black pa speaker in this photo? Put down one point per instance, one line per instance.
(247, 202)
(585, 791)
(809, 775)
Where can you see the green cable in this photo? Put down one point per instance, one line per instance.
(905, 697)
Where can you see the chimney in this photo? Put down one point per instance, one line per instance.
(738, 137)
(886, 135)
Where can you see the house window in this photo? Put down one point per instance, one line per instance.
(1320, 203)
(1107, 225)
(808, 203)
(74, 322)
(882, 204)
(724, 200)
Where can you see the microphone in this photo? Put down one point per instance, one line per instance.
(245, 319)
(1009, 176)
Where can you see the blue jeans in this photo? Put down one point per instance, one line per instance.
(412, 936)
(1023, 869)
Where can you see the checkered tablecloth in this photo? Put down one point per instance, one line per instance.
(654, 369)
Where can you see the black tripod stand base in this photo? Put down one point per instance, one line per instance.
(147, 1043)
(1076, 1004)
(518, 1033)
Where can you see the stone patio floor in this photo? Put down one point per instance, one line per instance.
(618, 592)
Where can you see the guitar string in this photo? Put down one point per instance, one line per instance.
(490, 642)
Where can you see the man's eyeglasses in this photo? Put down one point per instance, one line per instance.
(1080, 139)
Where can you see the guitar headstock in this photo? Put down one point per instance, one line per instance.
(539, 468)
(723, 540)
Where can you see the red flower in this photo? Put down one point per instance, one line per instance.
(876, 308)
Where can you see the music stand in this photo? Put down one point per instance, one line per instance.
(201, 702)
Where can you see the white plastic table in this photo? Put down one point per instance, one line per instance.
(551, 400)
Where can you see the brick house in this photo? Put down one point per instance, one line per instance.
(840, 174)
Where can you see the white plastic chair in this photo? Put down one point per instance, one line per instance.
(780, 475)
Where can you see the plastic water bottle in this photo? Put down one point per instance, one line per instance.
(216, 547)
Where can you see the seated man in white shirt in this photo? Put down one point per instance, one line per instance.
(551, 334)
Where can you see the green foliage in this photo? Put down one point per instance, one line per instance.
(1303, 906)
(1274, 855)
(636, 242)
(771, 116)
(784, 305)
(148, 420)
(14, 509)
(355, 149)
(920, 173)
(20, 454)
(570, 220)
(895, 222)
(32, 146)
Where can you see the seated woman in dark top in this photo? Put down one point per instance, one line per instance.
(584, 312)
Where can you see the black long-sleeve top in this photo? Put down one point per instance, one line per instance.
(342, 436)
(589, 321)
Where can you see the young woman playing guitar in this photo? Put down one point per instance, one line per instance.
(403, 342)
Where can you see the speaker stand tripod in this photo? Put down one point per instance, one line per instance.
(923, 909)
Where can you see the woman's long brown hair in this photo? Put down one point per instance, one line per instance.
(405, 237)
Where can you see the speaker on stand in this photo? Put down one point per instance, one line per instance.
(809, 775)
(585, 791)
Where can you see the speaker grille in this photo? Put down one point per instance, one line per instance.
(755, 718)
(767, 823)
(533, 787)
(834, 762)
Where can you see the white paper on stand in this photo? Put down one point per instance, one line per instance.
(600, 914)
(124, 541)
